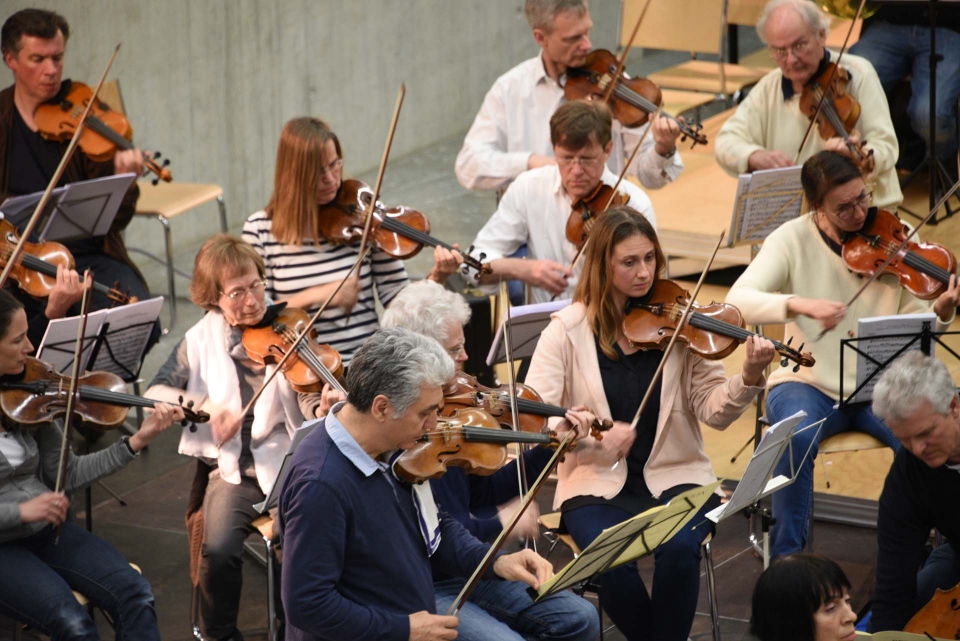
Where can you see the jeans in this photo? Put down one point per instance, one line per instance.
(666, 614)
(39, 574)
(793, 503)
(897, 51)
(228, 515)
(503, 610)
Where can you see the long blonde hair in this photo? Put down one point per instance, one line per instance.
(293, 205)
(595, 288)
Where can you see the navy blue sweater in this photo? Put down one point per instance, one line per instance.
(355, 563)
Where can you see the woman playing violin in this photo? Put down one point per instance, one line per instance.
(302, 267)
(38, 571)
(239, 456)
(799, 278)
(583, 357)
(33, 43)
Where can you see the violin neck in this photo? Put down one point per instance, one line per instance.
(704, 322)
(496, 435)
(423, 237)
(41, 266)
(107, 132)
(313, 361)
(921, 264)
(526, 406)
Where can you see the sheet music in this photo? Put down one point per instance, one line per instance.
(88, 208)
(18, 209)
(527, 322)
(765, 200)
(881, 349)
(271, 501)
(127, 336)
(58, 342)
(756, 481)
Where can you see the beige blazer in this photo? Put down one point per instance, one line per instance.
(565, 372)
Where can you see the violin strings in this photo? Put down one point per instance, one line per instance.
(107, 132)
(422, 237)
(912, 259)
(490, 434)
(724, 328)
(637, 100)
(311, 359)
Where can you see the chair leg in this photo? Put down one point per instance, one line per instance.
(823, 464)
(171, 276)
(223, 214)
(195, 614)
(712, 590)
(271, 595)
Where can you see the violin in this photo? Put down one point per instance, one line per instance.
(36, 270)
(632, 101)
(105, 130)
(940, 617)
(713, 331)
(464, 392)
(310, 367)
(400, 232)
(39, 395)
(470, 439)
(839, 113)
(586, 210)
(923, 269)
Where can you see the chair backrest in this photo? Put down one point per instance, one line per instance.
(110, 94)
(678, 25)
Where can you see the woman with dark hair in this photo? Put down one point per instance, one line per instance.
(40, 566)
(802, 597)
(799, 278)
(583, 358)
(301, 267)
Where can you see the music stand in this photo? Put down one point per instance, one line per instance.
(18, 209)
(87, 209)
(271, 501)
(630, 540)
(526, 323)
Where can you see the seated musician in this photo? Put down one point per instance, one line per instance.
(535, 208)
(239, 457)
(302, 267)
(767, 128)
(33, 42)
(359, 545)
(800, 279)
(510, 133)
(583, 357)
(497, 609)
(917, 398)
(802, 597)
(40, 567)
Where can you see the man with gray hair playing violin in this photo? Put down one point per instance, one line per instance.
(917, 398)
(359, 545)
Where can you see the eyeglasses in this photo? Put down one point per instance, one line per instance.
(846, 210)
(456, 350)
(240, 294)
(798, 48)
(586, 163)
(333, 168)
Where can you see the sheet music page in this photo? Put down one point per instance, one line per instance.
(765, 200)
(894, 635)
(60, 339)
(526, 323)
(881, 349)
(127, 335)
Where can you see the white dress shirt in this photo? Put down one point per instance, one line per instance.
(534, 210)
(514, 122)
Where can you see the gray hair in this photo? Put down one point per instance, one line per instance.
(427, 308)
(541, 13)
(396, 362)
(912, 379)
(816, 19)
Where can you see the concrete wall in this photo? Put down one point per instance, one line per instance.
(211, 82)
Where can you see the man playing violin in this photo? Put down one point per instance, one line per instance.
(359, 545)
(767, 128)
(484, 504)
(800, 278)
(510, 134)
(33, 43)
(535, 209)
(917, 398)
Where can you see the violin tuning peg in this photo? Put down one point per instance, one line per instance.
(166, 162)
(189, 405)
(180, 399)
(784, 361)
(796, 368)
(789, 340)
(155, 182)
(800, 349)
(156, 155)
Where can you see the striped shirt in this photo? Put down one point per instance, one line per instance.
(292, 269)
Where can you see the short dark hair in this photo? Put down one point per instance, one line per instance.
(38, 23)
(574, 124)
(825, 171)
(8, 307)
(788, 594)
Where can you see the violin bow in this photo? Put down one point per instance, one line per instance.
(613, 194)
(833, 71)
(512, 380)
(488, 558)
(365, 250)
(673, 339)
(68, 154)
(72, 396)
(622, 58)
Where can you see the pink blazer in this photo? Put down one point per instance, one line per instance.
(565, 372)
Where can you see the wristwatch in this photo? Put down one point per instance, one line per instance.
(126, 441)
(669, 154)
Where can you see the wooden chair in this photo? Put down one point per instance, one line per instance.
(696, 26)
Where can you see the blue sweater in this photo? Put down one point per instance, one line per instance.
(355, 563)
